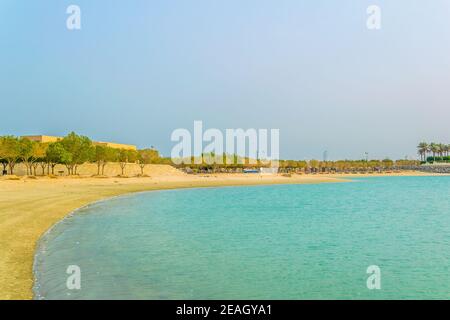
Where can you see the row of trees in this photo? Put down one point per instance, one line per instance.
(439, 151)
(346, 165)
(71, 151)
(238, 164)
(75, 150)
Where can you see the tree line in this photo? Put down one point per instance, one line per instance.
(74, 150)
(433, 152)
(71, 151)
(238, 164)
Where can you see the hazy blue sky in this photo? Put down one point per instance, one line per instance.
(140, 69)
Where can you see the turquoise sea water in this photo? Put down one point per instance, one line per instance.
(262, 242)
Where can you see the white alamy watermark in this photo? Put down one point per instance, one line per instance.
(374, 279)
(73, 21)
(74, 280)
(235, 146)
(374, 19)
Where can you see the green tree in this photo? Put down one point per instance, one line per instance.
(422, 150)
(101, 156)
(10, 151)
(56, 154)
(80, 149)
(388, 163)
(4, 164)
(314, 165)
(40, 153)
(124, 157)
(147, 156)
(3, 161)
(442, 148)
(435, 149)
(27, 152)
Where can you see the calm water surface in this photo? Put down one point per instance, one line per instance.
(263, 242)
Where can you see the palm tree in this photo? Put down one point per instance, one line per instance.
(445, 149)
(422, 150)
(441, 149)
(434, 148)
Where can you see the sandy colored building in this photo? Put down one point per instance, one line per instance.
(42, 139)
(115, 145)
(47, 139)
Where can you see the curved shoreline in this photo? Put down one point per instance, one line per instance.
(30, 208)
(68, 196)
(41, 240)
(47, 233)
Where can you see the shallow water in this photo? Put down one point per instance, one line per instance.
(262, 242)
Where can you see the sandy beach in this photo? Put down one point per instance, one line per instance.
(29, 207)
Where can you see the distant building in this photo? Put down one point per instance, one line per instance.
(47, 139)
(115, 145)
(42, 139)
